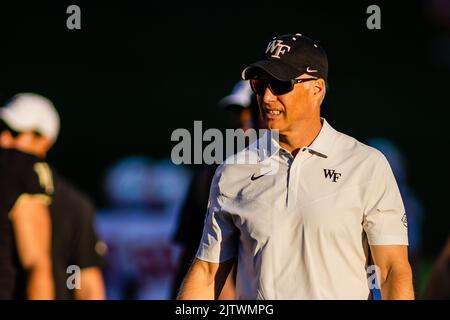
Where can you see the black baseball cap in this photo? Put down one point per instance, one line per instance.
(288, 56)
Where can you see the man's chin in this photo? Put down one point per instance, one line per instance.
(273, 125)
(281, 130)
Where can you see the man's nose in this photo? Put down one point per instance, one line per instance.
(269, 96)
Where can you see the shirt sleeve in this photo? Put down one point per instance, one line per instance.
(38, 181)
(220, 236)
(34, 180)
(26, 174)
(385, 216)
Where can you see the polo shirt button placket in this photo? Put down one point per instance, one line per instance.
(289, 159)
(290, 192)
(294, 188)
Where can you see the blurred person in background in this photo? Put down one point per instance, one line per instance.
(30, 128)
(439, 284)
(240, 110)
(26, 188)
(143, 199)
(75, 243)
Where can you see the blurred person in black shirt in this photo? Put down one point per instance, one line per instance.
(26, 187)
(29, 128)
(75, 243)
(240, 111)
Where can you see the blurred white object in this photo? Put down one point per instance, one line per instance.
(30, 111)
(240, 96)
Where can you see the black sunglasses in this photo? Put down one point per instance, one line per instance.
(278, 87)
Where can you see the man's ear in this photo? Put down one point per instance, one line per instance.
(319, 87)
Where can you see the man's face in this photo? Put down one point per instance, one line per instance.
(28, 142)
(286, 112)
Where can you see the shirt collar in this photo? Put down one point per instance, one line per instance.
(324, 140)
(268, 145)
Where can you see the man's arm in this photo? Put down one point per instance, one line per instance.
(229, 287)
(92, 287)
(396, 275)
(32, 229)
(204, 280)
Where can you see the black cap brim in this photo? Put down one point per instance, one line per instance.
(274, 68)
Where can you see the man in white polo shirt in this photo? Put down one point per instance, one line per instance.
(310, 227)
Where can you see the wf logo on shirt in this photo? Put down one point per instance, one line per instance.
(332, 174)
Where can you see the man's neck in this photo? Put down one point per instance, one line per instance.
(302, 136)
(30, 151)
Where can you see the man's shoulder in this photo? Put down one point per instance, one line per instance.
(237, 169)
(17, 161)
(363, 161)
(68, 198)
(352, 147)
(28, 172)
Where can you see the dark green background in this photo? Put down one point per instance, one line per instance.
(136, 72)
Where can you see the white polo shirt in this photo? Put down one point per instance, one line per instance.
(303, 230)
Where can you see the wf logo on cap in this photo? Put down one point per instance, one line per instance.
(277, 47)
